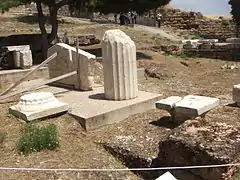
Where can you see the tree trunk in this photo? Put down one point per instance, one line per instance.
(237, 31)
(54, 24)
(41, 21)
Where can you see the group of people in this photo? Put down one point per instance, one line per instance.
(129, 18)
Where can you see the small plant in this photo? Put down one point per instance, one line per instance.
(3, 136)
(34, 138)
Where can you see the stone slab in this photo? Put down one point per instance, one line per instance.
(166, 176)
(8, 77)
(18, 48)
(196, 105)
(168, 103)
(93, 110)
(236, 93)
(37, 105)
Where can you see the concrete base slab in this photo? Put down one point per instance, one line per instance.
(193, 106)
(166, 176)
(37, 105)
(93, 110)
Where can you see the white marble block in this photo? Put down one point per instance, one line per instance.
(18, 48)
(236, 94)
(69, 59)
(194, 106)
(168, 103)
(37, 105)
(26, 59)
(166, 176)
(119, 66)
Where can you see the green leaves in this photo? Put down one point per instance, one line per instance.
(235, 4)
(34, 138)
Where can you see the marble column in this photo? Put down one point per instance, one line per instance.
(119, 66)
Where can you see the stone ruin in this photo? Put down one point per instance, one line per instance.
(229, 50)
(16, 57)
(196, 23)
(120, 70)
(93, 106)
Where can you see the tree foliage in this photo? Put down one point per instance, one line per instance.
(116, 6)
(235, 5)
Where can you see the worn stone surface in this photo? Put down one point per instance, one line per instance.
(168, 103)
(193, 106)
(18, 48)
(8, 77)
(236, 94)
(37, 105)
(26, 60)
(88, 39)
(198, 143)
(166, 176)
(68, 60)
(119, 66)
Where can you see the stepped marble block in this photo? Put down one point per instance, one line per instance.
(119, 66)
(38, 105)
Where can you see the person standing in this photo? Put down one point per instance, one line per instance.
(159, 19)
(115, 18)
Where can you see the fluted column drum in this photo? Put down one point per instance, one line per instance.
(119, 66)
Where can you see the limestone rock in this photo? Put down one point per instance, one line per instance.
(119, 65)
(194, 143)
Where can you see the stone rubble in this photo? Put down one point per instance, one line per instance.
(198, 143)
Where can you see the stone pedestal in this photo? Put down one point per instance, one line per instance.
(38, 105)
(236, 94)
(119, 65)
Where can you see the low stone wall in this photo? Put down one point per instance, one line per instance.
(226, 51)
(8, 77)
(197, 23)
(146, 21)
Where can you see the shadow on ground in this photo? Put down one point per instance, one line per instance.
(141, 55)
(166, 122)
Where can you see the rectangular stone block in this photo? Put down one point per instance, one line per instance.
(236, 93)
(68, 60)
(168, 103)
(196, 105)
(19, 48)
(26, 59)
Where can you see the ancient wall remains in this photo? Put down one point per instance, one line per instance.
(213, 50)
(197, 23)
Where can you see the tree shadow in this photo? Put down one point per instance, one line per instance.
(141, 55)
(166, 122)
(31, 19)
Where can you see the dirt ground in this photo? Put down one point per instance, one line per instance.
(83, 150)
